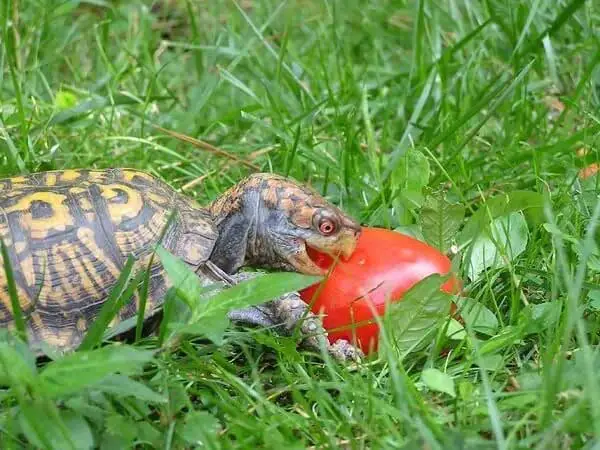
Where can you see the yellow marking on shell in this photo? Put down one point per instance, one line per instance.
(77, 190)
(96, 176)
(85, 204)
(144, 235)
(18, 180)
(39, 227)
(83, 279)
(24, 300)
(35, 321)
(28, 270)
(81, 324)
(59, 337)
(70, 175)
(51, 179)
(129, 175)
(86, 236)
(157, 198)
(81, 257)
(193, 252)
(120, 211)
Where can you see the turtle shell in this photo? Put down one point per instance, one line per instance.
(69, 233)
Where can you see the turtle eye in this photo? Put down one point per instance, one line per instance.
(327, 227)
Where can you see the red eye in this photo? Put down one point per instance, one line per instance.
(326, 227)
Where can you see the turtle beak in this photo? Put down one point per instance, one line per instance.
(349, 238)
(348, 244)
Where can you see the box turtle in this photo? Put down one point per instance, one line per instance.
(68, 234)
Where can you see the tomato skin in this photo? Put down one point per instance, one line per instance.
(384, 266)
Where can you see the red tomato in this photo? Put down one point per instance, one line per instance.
(384, 266)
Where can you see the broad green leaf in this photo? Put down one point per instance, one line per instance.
(594, 299)
(147, 433)
(507, 336)
(212, 327)
(210, 304)
(79, 429)
(422, 310)
(440, 221)
(82, 406)
(492, 363)
(121, 426)
(123, 386)
(178, 398)
(176, 311)
(412, 171)
(111, 441)
(199, 428)
(530, 203)
(43, 426)
(255, 291)
(455, 330)
(535, 318)
(208, 301)
(412, 230)
(477, 316)
(83, 369)
(439, 381)
(506, 239)
(209, 317)
(411, 199)
(574, 368)
(15, 367)
(184, 280)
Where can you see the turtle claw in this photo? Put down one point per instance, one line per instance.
(312, 331)
(342, 350)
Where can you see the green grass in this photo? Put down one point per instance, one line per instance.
(431, 117)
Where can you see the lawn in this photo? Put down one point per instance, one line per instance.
(464, 123)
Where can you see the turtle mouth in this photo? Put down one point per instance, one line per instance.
(324, 259)
(318, 258)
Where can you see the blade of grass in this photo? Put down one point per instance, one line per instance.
(119, 295)
(12, 293)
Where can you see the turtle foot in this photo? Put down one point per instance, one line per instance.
(289, 314)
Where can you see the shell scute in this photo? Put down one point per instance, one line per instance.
(69, 234)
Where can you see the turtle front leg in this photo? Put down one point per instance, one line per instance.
(288, 312)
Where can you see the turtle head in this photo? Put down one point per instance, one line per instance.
(281, 225)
